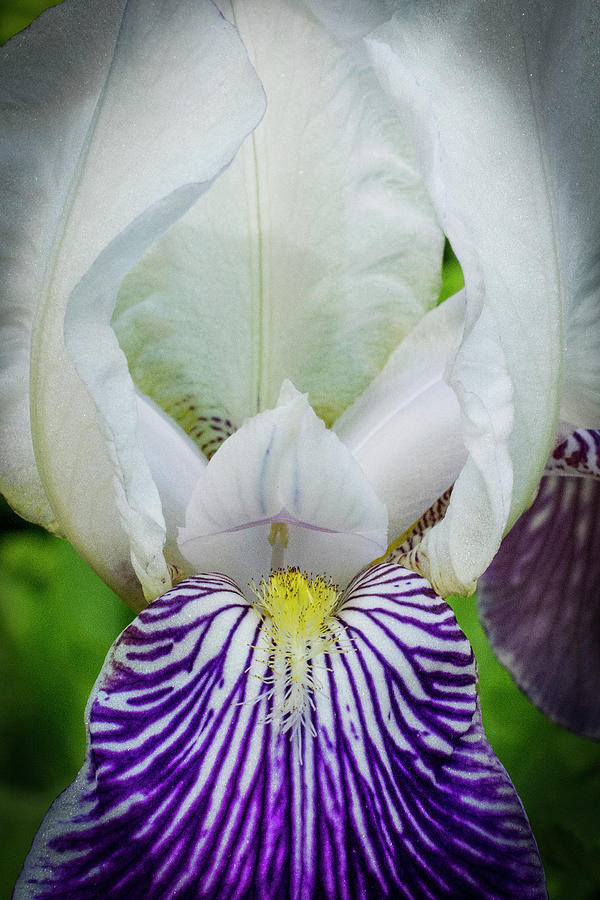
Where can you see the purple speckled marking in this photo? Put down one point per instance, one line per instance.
(188, 790)
(577, 453)
(539, 602)
(407, 553)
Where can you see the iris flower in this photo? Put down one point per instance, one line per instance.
(220, 250)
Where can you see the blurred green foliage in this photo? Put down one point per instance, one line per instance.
(17, 14)
(453, 280)
(58, 620)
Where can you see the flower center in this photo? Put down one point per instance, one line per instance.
(299, 627)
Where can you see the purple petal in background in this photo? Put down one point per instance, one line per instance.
(190, 790)
(539, 601)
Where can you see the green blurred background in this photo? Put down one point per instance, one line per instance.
(57, 621)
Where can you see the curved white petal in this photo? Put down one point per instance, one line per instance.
(283, 466)
(473, 82)
(572, 87)
(309, 259)
(176, 464)
(350, 19)
(405, 429)
(115, 117)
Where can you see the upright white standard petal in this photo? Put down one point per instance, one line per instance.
(571, 90)
(405, 429)
(309, 259)
(115, 117)
(476, 85)
(283, 491)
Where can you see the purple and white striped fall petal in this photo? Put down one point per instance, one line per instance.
(195, 787)
(538, 600)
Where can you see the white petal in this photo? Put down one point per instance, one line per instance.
(472, 82)
(284, 466)
(310, 259)
(115, 117)
(405, 429)
(175, 462)
(571, 90)
(349, 19)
